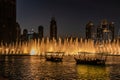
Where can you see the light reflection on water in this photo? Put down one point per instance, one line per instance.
(93, 72)
(36, 68)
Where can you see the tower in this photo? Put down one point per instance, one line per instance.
(53, 28)
(8, 29)
(90, 34)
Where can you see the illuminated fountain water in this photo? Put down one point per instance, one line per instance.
(68, 46)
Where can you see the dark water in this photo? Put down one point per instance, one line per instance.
(36, 68)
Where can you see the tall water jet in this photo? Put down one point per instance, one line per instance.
(68, 46)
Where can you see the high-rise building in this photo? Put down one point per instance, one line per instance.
(53, 29)
(99, 33)
(25, 36)
(105, 31)
(90, 30)
(106, 34)
(8, 29)
(104, 24)
(118, 35)
(40, 32)
(112, 30)
(18, 31)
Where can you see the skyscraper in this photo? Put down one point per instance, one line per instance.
(104, 24)
(105, 31)
(8, 29)
(24, 37)
(40, 32)
(18, 31)
(106, 34)
(99, 33)
(90, 30)
(112, 30)
(53, 29)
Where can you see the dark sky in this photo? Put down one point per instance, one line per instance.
(71, 15)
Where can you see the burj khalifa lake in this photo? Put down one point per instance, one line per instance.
(62, 59)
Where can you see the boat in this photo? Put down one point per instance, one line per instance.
(54, 56)
(91, 60)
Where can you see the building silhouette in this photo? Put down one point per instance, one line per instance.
(90, 30)
(105, 31)
(53, 29)
(24, 36)
(31, 34)
(40, 32)
(112, 30)
(18, 31)
(8, 29)
(99, 34)
(118, 34)
(104, 24)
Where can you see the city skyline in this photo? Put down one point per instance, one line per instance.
(71, 16)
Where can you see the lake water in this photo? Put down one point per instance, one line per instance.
(37, 68)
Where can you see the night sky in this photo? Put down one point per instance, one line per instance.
(71, 15)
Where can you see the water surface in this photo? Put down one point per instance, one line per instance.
(37, 68)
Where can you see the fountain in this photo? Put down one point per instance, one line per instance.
(68, 46)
